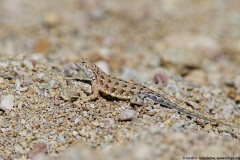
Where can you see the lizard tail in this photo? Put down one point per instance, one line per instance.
(168, 104)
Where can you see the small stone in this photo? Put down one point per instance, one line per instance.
(196, 77)
(107, 121)
(50, 84)
(127, 115)
(26, 83)
(23, 133)
(28, 64)
(7, 102)
(39, 148)
(68, 72)
(60, 138)
(85, 113)
(75, 133)
(23, 121)
(31, 91)
(20, 105)
(161, 79)
(95, 123)
(40, 75)
(51, 19)
(18, 84)
(3, 65)
(18, 148)
(77, 120)
(151, 112)
(92, 106)
(3, 86)
(82, 132)
(42, 46)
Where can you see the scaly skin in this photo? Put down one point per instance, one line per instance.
(121, 89)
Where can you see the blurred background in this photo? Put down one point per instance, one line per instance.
(193, 39)
(120, 30)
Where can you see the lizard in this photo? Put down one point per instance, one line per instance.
(135, 93)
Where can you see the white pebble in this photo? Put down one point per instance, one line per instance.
(23, 133)
(3, 65)
(23, 121)
(17, 83)
(18, 148)
(28, 64)
(85, 114)
(75, 133)
(77, 120)
(20, 105)
(50, 84)
(40, 75)
(7, 102)
(60, 138)
(127, 115)
(92, 105)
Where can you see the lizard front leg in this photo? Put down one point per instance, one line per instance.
(94, 95)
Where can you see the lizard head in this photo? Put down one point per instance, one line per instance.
(86, 66)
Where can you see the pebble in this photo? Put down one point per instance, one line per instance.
(82, 132)
(28, 64)
(95, 123)
(18, 148)
(160, 78)
(39, 148)
(3, 65)
(127, 115)
(23, 121)
(51, 19)
(40, 75)
(68, 72)
(7, 102)
(196, 77)
(107, 121)
(60, 138)
(20, 105)
(42, 46)
(75, 133)
(23, 133)
(50, 84)
(77, 120)
(26, 83)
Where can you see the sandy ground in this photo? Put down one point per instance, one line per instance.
(187, 50)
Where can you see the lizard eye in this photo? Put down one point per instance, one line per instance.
(83, 62)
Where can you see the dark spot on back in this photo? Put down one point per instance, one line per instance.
(106, 86)
(101, 82)
(116, 83)
(121, 91)
(113, 89)
(124, 86)
(131, 92)
(133, 87)
(102, 77)
(109, 81)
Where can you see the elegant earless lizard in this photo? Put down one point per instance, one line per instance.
(121, 89)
